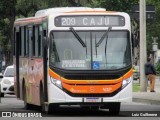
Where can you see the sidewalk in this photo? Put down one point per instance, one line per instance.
(148, 97)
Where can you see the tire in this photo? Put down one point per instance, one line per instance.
(53, 108)
(2, 94)
(114, 108)
(42, 100)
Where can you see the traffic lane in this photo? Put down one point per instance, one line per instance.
(10, 103)
(127, 110)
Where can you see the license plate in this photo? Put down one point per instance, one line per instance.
(92, 99)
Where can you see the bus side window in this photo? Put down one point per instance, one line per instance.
(22, 41)
(26, 41)
(40, 41)
(30, 43)
(33, 41)
(36, 40)
(17, 41)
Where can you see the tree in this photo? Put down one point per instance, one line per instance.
(114, 5)
(153, 27)
(7, 10)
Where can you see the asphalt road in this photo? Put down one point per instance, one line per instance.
(10, 103)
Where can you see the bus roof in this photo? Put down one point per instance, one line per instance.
(42, 14)
(49, 11)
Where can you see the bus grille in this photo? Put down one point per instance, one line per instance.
(91, 77)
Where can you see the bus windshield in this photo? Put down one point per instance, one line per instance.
(66, 52)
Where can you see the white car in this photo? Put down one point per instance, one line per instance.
(7, 82)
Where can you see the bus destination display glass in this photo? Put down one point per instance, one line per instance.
(89, 21)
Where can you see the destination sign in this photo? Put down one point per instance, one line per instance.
(89, 21)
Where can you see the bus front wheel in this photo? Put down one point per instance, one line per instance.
(53, 108)
(114, 108)
(42, 99)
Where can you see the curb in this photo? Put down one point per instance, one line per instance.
(152, 102)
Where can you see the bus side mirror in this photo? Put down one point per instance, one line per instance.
(45, 39)
(45, 42)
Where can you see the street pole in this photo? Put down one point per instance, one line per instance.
(143, 79)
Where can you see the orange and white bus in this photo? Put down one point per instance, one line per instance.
(73, 56)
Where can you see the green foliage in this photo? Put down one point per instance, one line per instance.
(136, 87)
(153, 27)
(158, 67)
(114, 5)
(4, 36)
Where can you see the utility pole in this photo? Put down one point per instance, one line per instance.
(143, 79)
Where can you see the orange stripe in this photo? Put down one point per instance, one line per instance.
(106, 86)
(56, 76)
(91, 81)
(128, 74)
(91, 88)
(53, 74)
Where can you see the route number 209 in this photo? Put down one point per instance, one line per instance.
(68, 21)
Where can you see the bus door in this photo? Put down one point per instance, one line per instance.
(16, 52)
(45, 58)
(30, 64)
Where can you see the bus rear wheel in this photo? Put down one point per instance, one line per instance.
(26, 105)
(114, 108)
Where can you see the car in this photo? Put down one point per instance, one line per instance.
(1, 76)
(7, 82)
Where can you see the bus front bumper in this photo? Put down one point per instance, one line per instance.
(56, 95)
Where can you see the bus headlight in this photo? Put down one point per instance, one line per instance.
(56, 82)
(126, 82)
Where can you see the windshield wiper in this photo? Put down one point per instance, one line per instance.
(77, 36)
(103, 36)
(95, 45)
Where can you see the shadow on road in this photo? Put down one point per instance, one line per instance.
(77, 112)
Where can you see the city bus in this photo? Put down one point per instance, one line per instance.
(73, 56)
